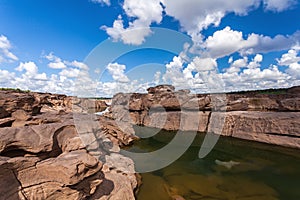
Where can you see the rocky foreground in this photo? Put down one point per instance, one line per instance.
(43, 155)
(270, 117)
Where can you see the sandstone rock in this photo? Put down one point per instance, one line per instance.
(67, 169)
(292, 104)
(161, 89)
(9, 184)
(279, 128)
(20, 115)
(262, 104)
(3, 113)
(12, 101)
(42, 156)
(267, 116)
(194, 121)
(163, 120)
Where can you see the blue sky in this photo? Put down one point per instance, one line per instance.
(46, 45)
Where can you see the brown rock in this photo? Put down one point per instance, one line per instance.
(67, 169)
(279, 128)
(161, 89)
(11, 101)
(3, 113)
(291, 104)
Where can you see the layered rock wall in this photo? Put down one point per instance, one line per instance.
(270, 117)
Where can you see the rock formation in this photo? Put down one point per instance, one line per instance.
(43, 156)
(264, 116)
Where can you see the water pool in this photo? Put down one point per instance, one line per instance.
(234, 169)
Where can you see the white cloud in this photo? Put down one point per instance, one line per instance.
(227, 41)
(279, 5)
(237, 65)
(144, 14)
(5, 54)
(57, 65)
(291, 59)
(294, 70)
(255, 63)
(70, 72)
(117, 72)
(30, 68)
(31, 71)
(266, 44)
(174, 74)
(194, 15)
(77, 64)
(6, 78)
(203, 64)
(156, 78)
(107, 2)
(56, 62)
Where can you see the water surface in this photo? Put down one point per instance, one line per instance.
(235, 169)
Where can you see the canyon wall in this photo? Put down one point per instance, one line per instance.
(264, 116)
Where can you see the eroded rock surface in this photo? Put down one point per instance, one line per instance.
(264, 116)
(45, 155)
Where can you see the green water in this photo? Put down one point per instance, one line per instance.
(261, 172)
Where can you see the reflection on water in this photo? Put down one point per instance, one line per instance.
(235, 169)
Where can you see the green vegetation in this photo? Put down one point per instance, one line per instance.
(14, 90)
(267, 91)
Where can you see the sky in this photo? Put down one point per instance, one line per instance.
(101, 47)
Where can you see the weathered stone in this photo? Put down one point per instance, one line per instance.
(42, 156)
(279, 128)
(268, 117)
(291, 104)
(160, 89)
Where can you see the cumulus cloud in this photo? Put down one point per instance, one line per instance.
(227, 41)
(242, 74)
(31, 71)
(56, 62)
(201, 14)
(5, 54)
(6, 78)
(117, 72)
(77, 64)
(70, 72)
(143, 13)
(237, 65)
(174, 74)
(201, 64)
(291, 59)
